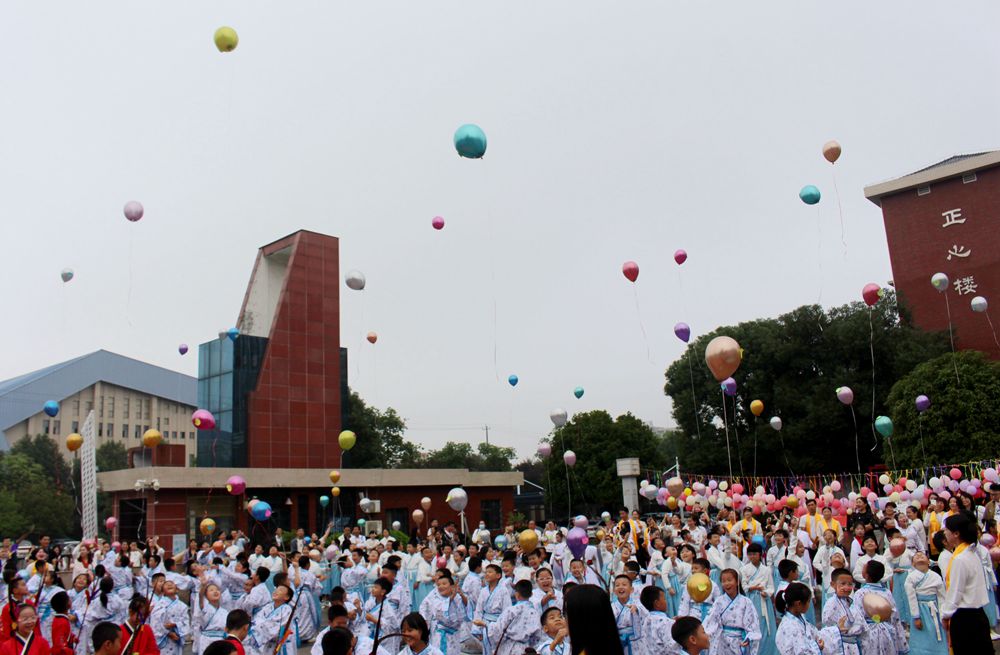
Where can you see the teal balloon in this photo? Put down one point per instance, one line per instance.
(361, 523)
(470, 141)
(809, 194)
(324, 500)
(884, 426)
(578, 392)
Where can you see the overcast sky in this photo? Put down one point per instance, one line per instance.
(617, 131)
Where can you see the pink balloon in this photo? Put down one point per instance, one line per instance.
(133, 210)
(955, 474)
(865, 491)
(544, 449)
(110, 523)
(437, 222)
(738, 488)
(203, 419)
(835, 485)
(630, 270)
(569, 457)
(680, 256)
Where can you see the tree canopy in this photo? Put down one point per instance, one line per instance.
(794, 364)
(962, 422)
(380, 441)
(36, 491)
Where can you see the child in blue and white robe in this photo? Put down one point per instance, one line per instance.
(447, 612)
(517, 628)
(924, 595)
(268, 629)
(733, 621)
(630, 617)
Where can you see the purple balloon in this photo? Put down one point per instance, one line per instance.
(133, 210)
(845, 395)
(577, 541)
(683, 332)
(182, 349)
(728, 386)
(923, 403)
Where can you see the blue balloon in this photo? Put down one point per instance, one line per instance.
(324, 501)
(513, 380)
(307, 540)
(759, 539)
(232, 333)
(470, 141)
(500, 541)
(51, 408)
(261, 511)
(578, 392)
(809, 194)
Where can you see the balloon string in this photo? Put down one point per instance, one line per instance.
(840, 210)
(642, 328)
(992, 330)
(951, 336)
(755, 446)
(871, 345)
(923, 454)
(725, 422)
(736, 432)
(694, 399)
(819, 256)
(128, 300)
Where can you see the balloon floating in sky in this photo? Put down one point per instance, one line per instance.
(110, 523)
(324, 501)
(261, 511)
(347, 439)
(51, 408)
(512, 380)
(182, 349)
(569, 457)
(558, 417)
(979, 304)
(134, 210)
(939, 281)
(578, 392)
(728, 386)
(437, 222)
(334, 477)
(544, 449)
(757, 407)
(203, 419)
(66, 274)
(845, 395)
(682, 331)
(831, 151)
(233, 333)
(226, 39)
(776, 423)
(236, 485)
(884, 426)
(871, 293)
(680, 256)
(355, 280)
(723, 356)
(923, 403)
(631, 271)
(207, 526)
(73, 442)
(372, 337)
(809, 194)
(470, 141)
(152, 438)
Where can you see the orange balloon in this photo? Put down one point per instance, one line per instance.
(723, 356)
(831, 151)
(756, 407)
(218, 547)
(372, 337)
(73, 442)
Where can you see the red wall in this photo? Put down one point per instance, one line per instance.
(294, 414)
(919, 245)
(162, 455)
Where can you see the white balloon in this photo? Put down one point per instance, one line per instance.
(457, 499)
(776, 422)
(558, 417)
(979, 304)
(355, 280)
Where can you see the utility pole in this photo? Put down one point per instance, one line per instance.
(487, 428)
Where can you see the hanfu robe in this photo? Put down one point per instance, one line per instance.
(122, 575)
(430, 650)
(471, 587)
(268, 629)
(209, 626)
(258, 598)
(898, 582)
(424, 582)
(387, 621)
(45, 612)
(657, 639)
(233, 582)
(35, 644)
(517, 629)
(716, 559)
(752, 576)
(796, 636)
(489, 607)
(143, 642)
(924, 595)
(170, 611)
(675, 574)
(688, 607)
(845, 641)
(731, 622)
(882, 638)
(63, 640)
(114, 612)
(631, 626)
(541, 605)
(991, 585)
(545, 647)
(400, 597)
(447, 617)
(307, 611)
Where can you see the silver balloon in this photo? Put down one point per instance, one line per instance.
(979, 304)
(396, 525)
(558, 417)
(775, 422)
(355, 280)
(457, 499)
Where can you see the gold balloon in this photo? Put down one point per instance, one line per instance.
(334, 477)
(831, 151)
(226, 39)
(335, 491)
(418, 516)
(425, 502)
(723, 356)
(347, 439)
(757, 408)
(152, 438)
(699, 587)
(207, 526)
(600, 534)
(792, 501)
(73, 442)
(671, 502)
(528, 540)
(877, 608)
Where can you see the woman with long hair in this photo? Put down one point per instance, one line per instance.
(592, 625)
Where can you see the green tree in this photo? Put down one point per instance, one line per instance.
(380, 441)
(962, 422)
(111, 456)
(40, 508)
(794, 364)
(44, 451)
(598, 440)
(460, 455)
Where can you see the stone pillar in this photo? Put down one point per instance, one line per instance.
(628, 471)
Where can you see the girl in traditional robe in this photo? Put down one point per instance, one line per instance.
(106, 606)
(210, 622)
(924, 595)
(733, 623)
(518, 627)
(137, 636)
(881, 637)
(447, 613)
(25, 638)
(170, 621)
(796, 636)
(380, 615)
(629, 616)
(416, 636)
(759, 584)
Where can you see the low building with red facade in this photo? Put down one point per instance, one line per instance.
(942, 219)
(278, 392)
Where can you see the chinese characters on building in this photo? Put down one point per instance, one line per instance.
(963, 285)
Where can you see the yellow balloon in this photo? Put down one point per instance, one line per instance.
(687, 491)
(226, 39)
(335, 491)
(335, 476)
(347, 439)
(756, 408)
(671, 502)
(152, 438)
(207, 526)
(600, 534)
(528, 540)
(792, 501)
(73, 442)
(699, 587)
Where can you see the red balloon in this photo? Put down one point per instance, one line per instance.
(631, 271)
(738, 488)
(871, 294)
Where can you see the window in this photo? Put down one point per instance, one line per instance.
(111, 430)
(166, 421)
(489, 512)
(145, 429)
(101, 412)
(157, 422)
(111, 407)
(173, 435)
(56, 427)
(45, 426)
(191, 435)
(146, 404)
(124, 430)
(76, 406)
(968, 177)
(138, 431)
(90, 406)
(76, 426)
(100, 429)
(923, 191)
(125, 408)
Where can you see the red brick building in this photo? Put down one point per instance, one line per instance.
(942, 219)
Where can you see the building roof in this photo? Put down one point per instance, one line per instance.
(22, 397)
(944, 169)
(261, 478)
